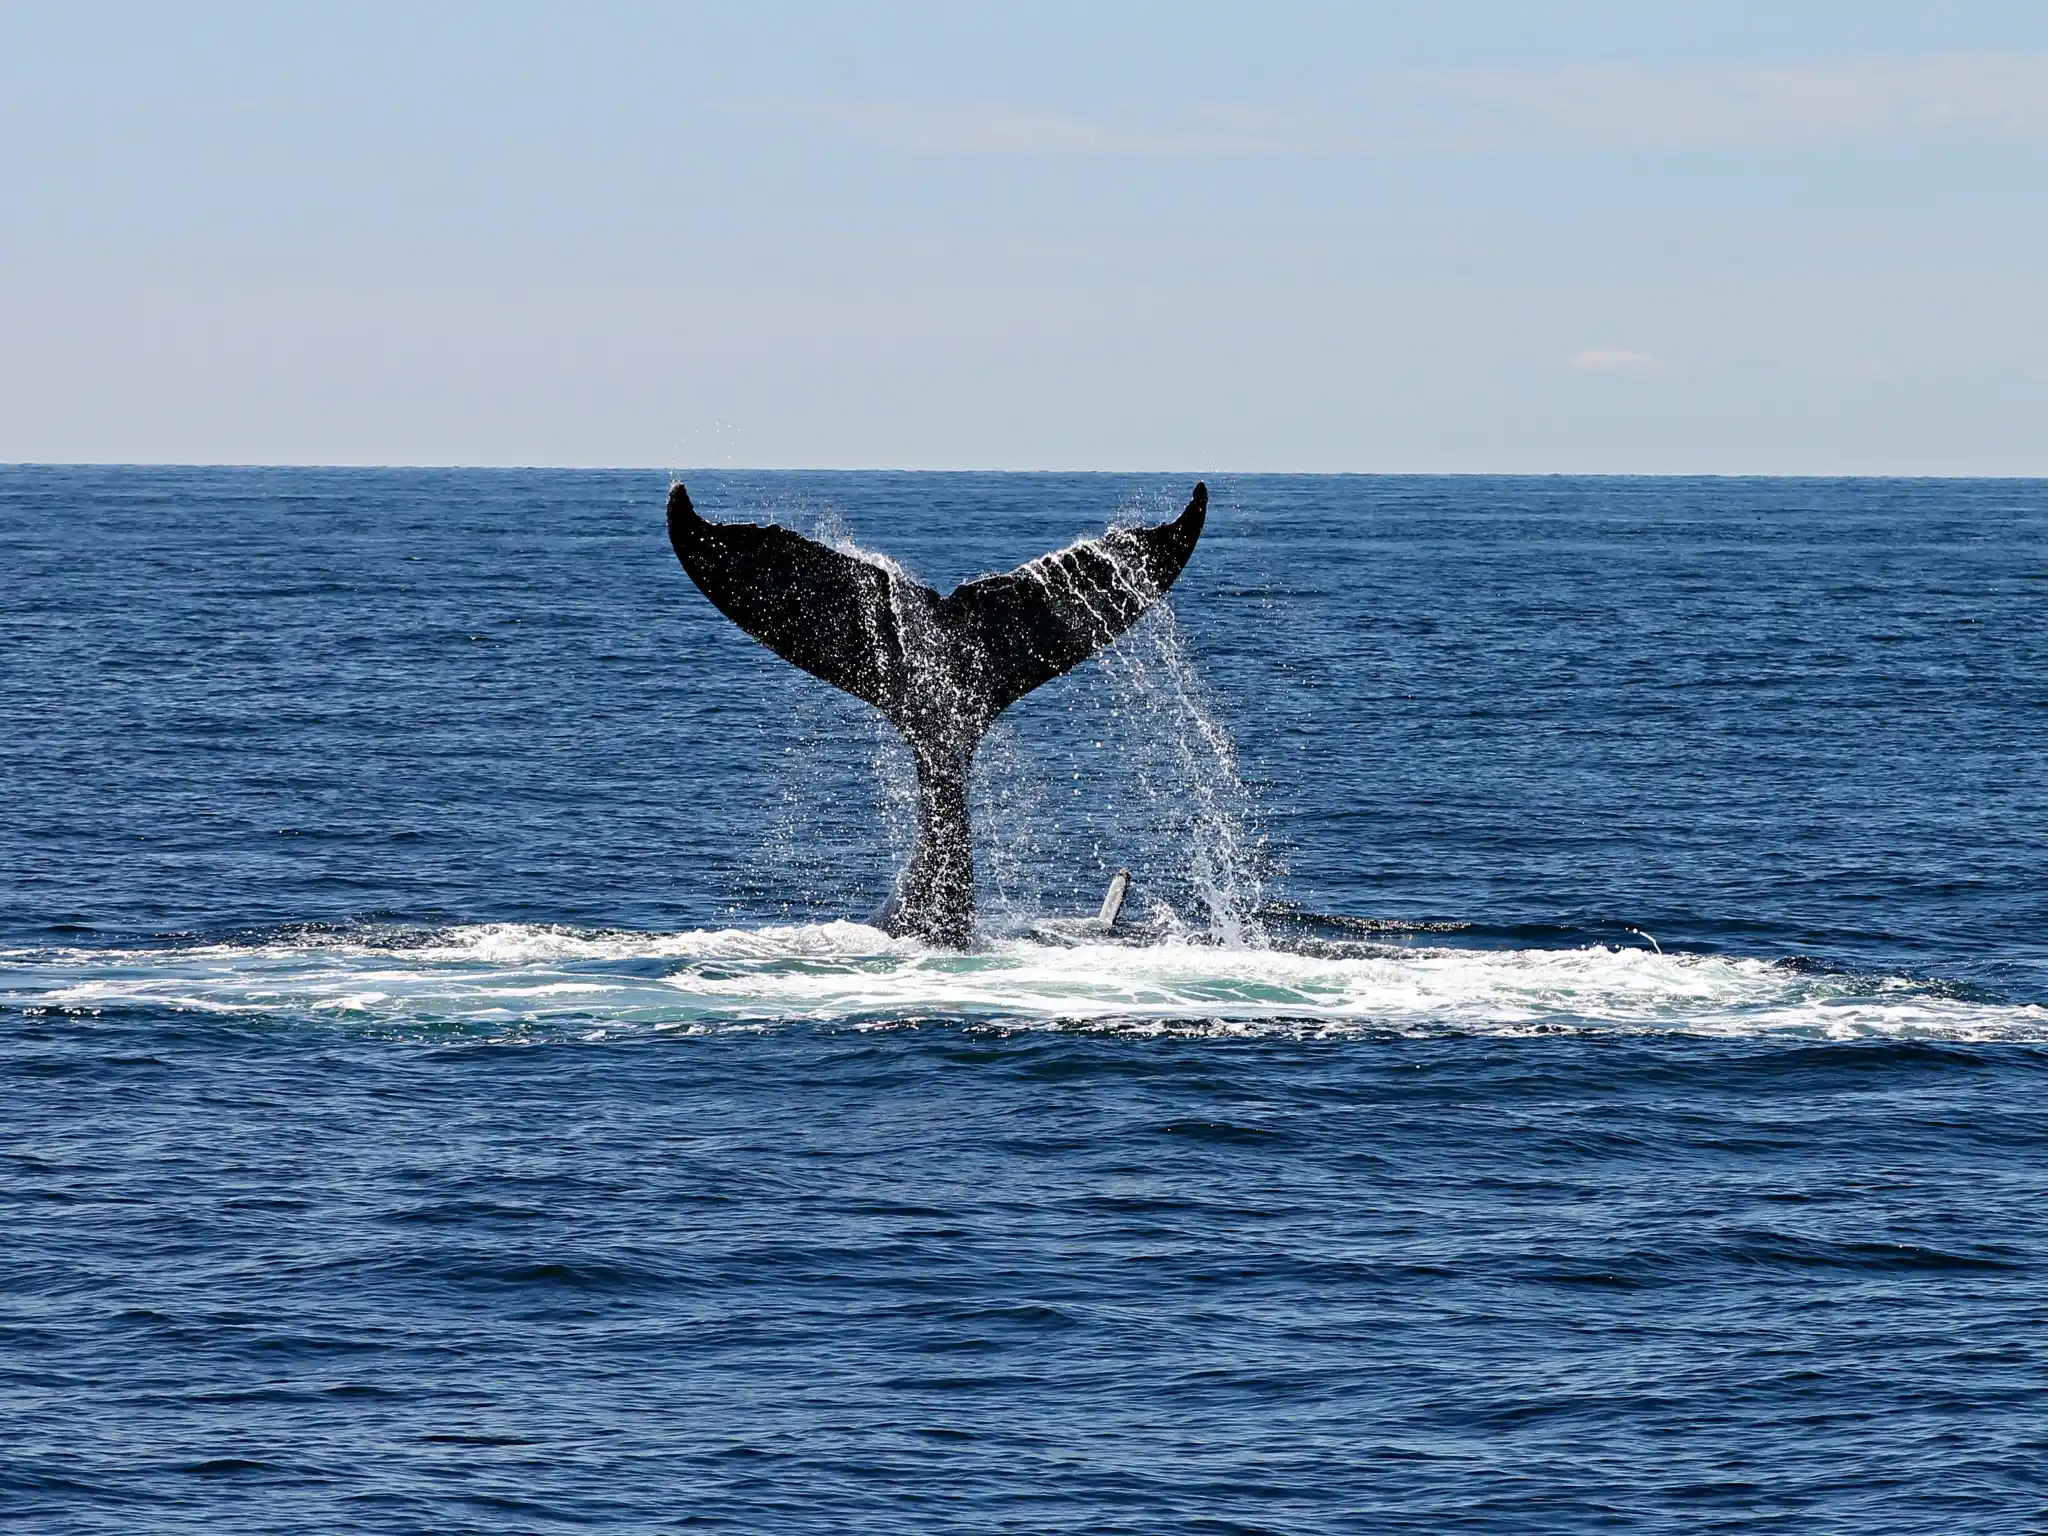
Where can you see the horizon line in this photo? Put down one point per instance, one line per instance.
(675, 472)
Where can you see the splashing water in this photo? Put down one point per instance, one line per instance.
(819, 851)
(1197, 813)
(1158, 791)
(1149, 770)
(1152, 783)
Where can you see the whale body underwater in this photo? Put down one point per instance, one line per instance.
(940, 669)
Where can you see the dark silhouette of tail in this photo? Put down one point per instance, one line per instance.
(941, 669)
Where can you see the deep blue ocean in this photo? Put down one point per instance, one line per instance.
(1576, 1058)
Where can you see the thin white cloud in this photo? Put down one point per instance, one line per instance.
(1615, 360)
(1625, 106)
(1605, 106)
(993, 128)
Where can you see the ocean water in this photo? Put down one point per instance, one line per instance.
(1577, 1057)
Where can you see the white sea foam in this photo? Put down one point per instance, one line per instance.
(498, 975)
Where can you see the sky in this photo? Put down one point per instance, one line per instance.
(1805, 237)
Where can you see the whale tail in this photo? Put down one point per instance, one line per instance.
(940, 668)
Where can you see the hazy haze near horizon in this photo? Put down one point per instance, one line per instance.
(1486, 237)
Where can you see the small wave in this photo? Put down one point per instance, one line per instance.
(511, 977)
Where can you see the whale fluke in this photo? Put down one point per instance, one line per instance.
(1046, 617)
(941, 669)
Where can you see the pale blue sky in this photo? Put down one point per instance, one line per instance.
(1447, 236)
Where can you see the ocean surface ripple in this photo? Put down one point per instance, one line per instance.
(1578, 1058)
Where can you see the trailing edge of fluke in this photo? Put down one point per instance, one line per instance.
(940, 668)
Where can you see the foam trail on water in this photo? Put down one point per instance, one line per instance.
(521, 979)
